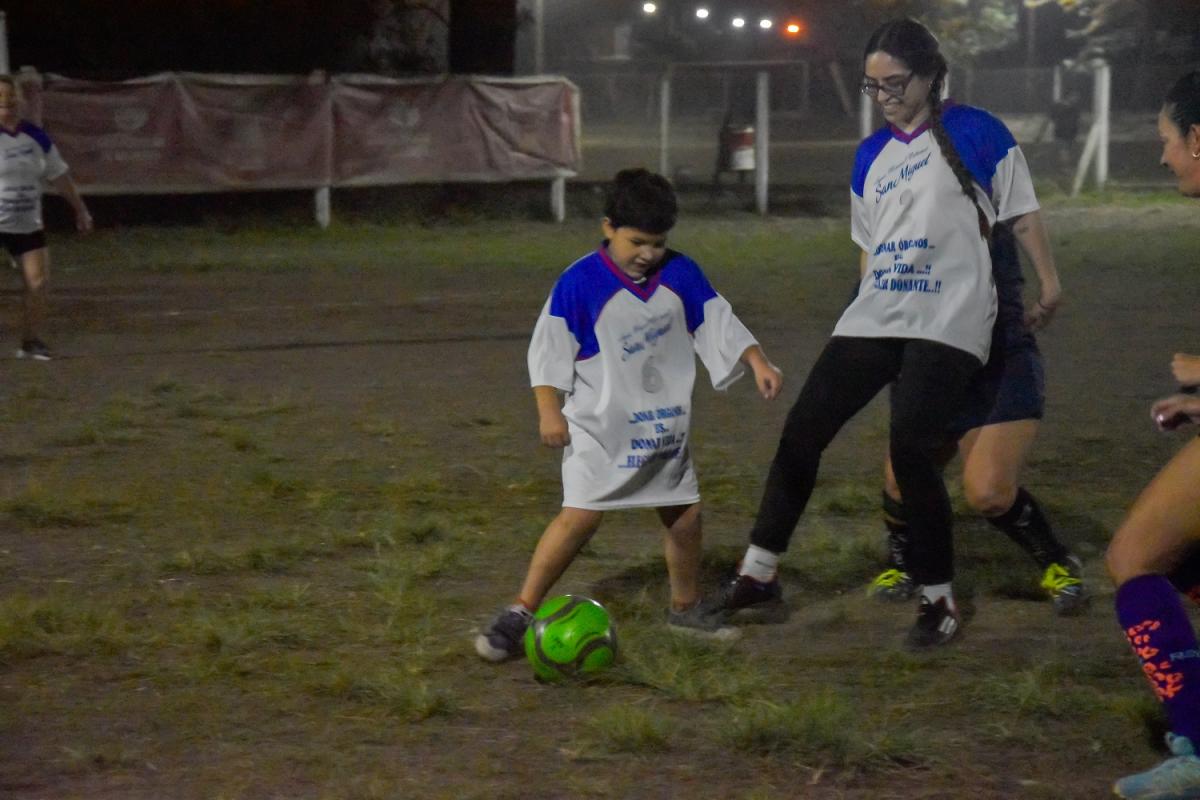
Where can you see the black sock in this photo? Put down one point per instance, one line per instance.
(895, 519)
(1026, 525)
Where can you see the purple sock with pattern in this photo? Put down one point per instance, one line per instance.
(1158, 629)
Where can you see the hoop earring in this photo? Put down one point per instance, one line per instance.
(1196, 155)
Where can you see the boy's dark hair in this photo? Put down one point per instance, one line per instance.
(1183, 102)
(639, 198)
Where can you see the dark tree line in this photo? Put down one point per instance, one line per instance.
(115, 39)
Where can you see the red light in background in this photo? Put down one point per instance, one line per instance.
(795, 29)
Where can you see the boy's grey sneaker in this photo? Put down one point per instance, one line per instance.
(937, 624)
(743, 597)
(893, 586)
(502, 639)
(703, 621)
(1177, 778)
(34, 349)
(1064, 583)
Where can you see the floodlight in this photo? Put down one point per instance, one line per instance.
(795, 29)
(738, 22)
(701, 13)
(765, 24)
(649, 8)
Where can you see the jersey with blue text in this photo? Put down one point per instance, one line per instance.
(625, 356)
(27, 159)
(929, 275)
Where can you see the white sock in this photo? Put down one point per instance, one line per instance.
(759, 564)
(939, 591)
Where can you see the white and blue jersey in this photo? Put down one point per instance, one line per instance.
(929, 275)
(625, 356)
(27, 160)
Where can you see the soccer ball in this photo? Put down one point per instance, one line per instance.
(570, 636)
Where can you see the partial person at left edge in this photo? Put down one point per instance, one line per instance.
(28, 161)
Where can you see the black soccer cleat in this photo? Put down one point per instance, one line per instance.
(746, 598)
(937, 624)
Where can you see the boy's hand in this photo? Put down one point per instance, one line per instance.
(1178, 409)
(769, 379)
(1186, 369)
(552, 427)
(766, 375)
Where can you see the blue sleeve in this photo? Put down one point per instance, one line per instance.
(37, 134)
(580, 294)
(683, 276)
(867, 151)
(982, 141)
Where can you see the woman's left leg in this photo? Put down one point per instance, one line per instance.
(929, 393)
(1161, 533)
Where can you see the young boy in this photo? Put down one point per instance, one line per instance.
(617, 336)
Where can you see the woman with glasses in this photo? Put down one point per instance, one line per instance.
(925, 192)
(1155, 554)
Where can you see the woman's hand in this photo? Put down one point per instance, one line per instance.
(83, 220)
(1040, 314)
(1186, 369)
(1178, 409)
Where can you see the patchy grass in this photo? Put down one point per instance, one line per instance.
(256, 570)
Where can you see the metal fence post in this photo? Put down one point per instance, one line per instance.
(664, 122)
(762, 114)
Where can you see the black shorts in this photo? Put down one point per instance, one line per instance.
(1010, 387)
(18, 244)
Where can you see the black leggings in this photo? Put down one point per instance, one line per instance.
(930, 389)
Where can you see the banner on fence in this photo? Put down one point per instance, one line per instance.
(184, 132)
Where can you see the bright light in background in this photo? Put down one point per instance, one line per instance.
(765, 24)
(794, 29)
(649, 8)
(701, 13)
(738, 22)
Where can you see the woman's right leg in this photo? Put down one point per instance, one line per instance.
(848, 373)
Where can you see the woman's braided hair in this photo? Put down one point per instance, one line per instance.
(912, 43)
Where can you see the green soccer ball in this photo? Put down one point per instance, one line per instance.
(570, 636)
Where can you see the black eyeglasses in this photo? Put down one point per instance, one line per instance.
(892, 87)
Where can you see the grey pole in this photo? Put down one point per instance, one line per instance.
(762, 150)
(4, 43)
(664, 122)
(539, 37)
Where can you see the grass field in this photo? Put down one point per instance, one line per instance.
(251, 518)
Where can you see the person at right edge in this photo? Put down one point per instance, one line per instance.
(1155, 553)
(925, 192)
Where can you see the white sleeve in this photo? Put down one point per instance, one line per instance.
(552, 352)
(1012, 186)
(720, 341)
(55, 166)
(860, 227)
